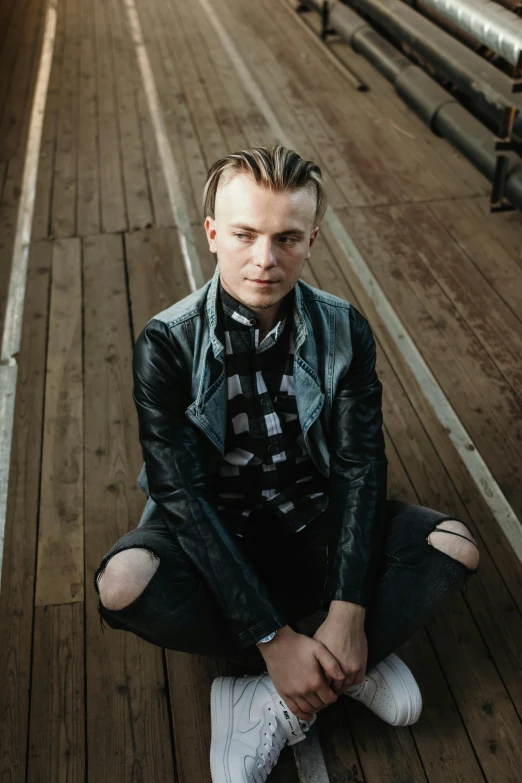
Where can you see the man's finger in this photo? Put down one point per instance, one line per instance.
(336, 686)
(359, 678)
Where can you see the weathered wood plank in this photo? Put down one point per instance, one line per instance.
(483, 701)
(474, 237)
(128, 732)
(8, 218)
(156, 272)
(65, 183)
(44, 183)
(89, 218)
(3, 175)
(21, 528)
(59, 573)
(22, 78)
(13, 43)
(237, 105)
(190, 681)
(11, 194)
(139, 206)
(218, 131)
(504, 227)
(6, 12)
(112, 194)
(507, 227)
(57, 727)
(441, 734)
(179, 124)
(338, 743)
(498, 329)
(162, 211)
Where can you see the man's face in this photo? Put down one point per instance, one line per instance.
(259, 234)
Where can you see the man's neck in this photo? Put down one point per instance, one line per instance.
(268, 321)
(263, 332)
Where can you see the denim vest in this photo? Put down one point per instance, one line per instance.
(323, 352)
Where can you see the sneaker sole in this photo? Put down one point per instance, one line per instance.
(222, 723)
(404, 674)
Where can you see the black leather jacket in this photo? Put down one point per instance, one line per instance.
(180, 396)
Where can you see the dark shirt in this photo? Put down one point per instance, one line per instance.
(266, 466)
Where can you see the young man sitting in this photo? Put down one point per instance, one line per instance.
(267, 537)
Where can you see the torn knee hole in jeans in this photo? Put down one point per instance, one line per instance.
(134, 602)
(438, 529)
(101, 570)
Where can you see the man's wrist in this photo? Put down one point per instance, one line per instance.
(282, 633)
(347, 610)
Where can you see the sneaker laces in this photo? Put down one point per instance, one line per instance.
(276, 742)
(276, 739)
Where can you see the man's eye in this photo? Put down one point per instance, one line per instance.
(288, 239)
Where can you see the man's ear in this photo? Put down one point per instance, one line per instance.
(210, 229)
(313, 237)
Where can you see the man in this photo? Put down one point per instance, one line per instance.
(267, 536)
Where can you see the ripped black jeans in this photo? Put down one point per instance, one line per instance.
(177, 611)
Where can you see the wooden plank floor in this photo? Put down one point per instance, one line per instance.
(77, 704)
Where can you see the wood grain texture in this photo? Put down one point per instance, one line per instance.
(21, 531)
(59, 574)
(128, 731)
(135, 177)
(65, 179)
(89, 217)
(112, 194)
(57, 723)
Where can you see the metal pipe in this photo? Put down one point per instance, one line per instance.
(437, 108)
(445, 24)
(488, 22)
(489, 88)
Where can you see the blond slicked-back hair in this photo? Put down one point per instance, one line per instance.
(275, 167)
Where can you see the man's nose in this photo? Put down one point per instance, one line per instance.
(265, 253)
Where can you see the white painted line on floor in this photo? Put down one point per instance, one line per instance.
(170, 170)
(12, 336)
(467, 450)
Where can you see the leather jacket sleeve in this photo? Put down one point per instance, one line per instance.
(358, 473)
(179, 464)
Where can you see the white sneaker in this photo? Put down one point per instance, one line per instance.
(390, 691)
(250, 726)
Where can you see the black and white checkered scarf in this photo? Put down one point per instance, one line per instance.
(266, 464)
